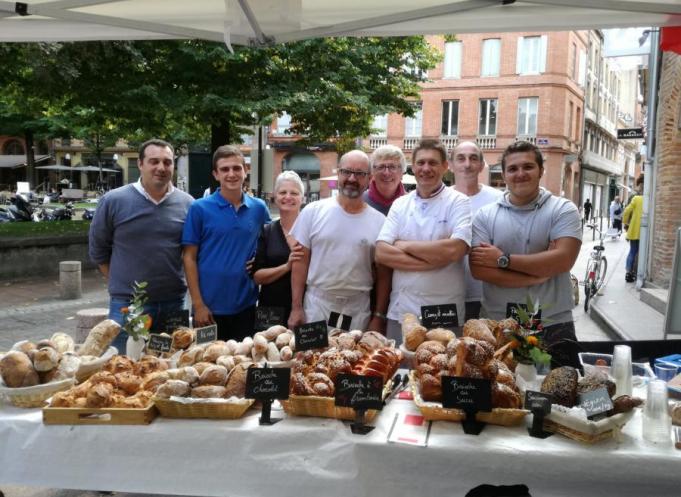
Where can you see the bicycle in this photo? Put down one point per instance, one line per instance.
(596, 269)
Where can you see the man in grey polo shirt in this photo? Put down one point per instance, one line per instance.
(524, 245)
(135, 236)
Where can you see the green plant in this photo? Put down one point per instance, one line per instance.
(526, 341)
(136, 322)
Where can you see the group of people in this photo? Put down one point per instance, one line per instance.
(359, 260)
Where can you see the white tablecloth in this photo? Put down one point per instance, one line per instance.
(321, 457)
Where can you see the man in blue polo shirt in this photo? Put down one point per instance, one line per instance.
(220, 236)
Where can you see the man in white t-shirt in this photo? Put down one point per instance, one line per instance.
(466, 163)
(338, 236)
(424, 240)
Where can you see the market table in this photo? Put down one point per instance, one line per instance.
(314, 456)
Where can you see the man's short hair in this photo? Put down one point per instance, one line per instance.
(480, 156)
(430, 144)
(153, 142)
(389, 152)
(522, 146)
(225, 152)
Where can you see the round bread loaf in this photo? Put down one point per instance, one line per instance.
(17, 370)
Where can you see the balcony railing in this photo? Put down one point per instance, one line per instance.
(527, 138)
(410, 142)
(487, 141)
(449, 141)
(377, 141)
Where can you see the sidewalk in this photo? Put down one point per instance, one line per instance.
(618, 308)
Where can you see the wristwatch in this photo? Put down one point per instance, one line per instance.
(503, 261)
(380, 315)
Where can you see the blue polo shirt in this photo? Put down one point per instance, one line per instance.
(226, 239)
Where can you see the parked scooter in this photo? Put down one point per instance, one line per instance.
(19, 210)
(58, 214)
(88, 213)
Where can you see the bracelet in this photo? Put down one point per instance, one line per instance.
(379, 315)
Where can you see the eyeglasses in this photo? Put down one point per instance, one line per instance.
(386, 167)
(346, 173)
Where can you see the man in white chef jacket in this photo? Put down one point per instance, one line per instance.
(424, 240)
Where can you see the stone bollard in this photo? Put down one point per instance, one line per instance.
(86, 319)
(69, 280)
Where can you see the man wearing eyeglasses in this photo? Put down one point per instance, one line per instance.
(424, 239)
(388, 164)
(338, 236)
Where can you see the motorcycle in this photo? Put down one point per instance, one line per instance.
(58, 214)
(20, 210)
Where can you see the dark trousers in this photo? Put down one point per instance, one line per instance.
(561, 342)
(237, 326)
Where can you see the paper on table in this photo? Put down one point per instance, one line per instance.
(409, 427)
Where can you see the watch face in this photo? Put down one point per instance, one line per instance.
(503, 261)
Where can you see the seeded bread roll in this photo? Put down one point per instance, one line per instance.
(17, 370)
(561, 383)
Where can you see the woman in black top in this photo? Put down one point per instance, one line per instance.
(275, 253)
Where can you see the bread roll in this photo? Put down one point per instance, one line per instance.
(128, 382)
(215, 350)
(273, 354)
(286, 353)
(561, 383)
(208, 392)
(46, 343)
(46, 359)
(103, 377)
(17, 370)
(260, 344)
(119, 364)
(24, 346)
(236, 382)
(48, 376)
(440, 335)
(177, 388)
(191, 356)
(226, 361)
(68, 366)
(274, 331)
(99, 395)
(63, 342)
(182, 338)
(214, 375)
(154, 380)
(99, 338)
(504, 396)
(149, 364)
(477, 328)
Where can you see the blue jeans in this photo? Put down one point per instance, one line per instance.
(154, 309)
(631, 258)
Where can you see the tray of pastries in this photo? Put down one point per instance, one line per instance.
(314, 372)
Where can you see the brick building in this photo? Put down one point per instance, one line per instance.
(666, 207)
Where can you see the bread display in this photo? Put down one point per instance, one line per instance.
(122, 383)
(314, 371)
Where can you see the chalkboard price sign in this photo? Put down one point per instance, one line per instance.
(313, 335)
(538, 402)
(206, 334)
(159, 343)
(266, 317)
(359, 392)
(440, 316)
(267, 383)
(468, 394)
(595, 402)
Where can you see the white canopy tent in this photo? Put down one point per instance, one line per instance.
(261, 22)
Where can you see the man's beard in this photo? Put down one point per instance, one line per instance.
(351, 191)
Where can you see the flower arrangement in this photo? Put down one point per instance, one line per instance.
(135, 322)
(527, 346)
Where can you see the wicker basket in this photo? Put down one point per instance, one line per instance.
(584, 430)
(88, 369)
(321, 407)
(325, 407)
(202, 410)
(433, 411)
(34, 396)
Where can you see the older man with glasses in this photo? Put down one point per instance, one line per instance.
(338, 236)
(388, 164)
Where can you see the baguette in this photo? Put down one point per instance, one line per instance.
(99, 338)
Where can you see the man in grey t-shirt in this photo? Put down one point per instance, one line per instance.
(524, 246)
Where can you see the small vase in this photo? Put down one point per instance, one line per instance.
(134, 348)
(528, 372)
